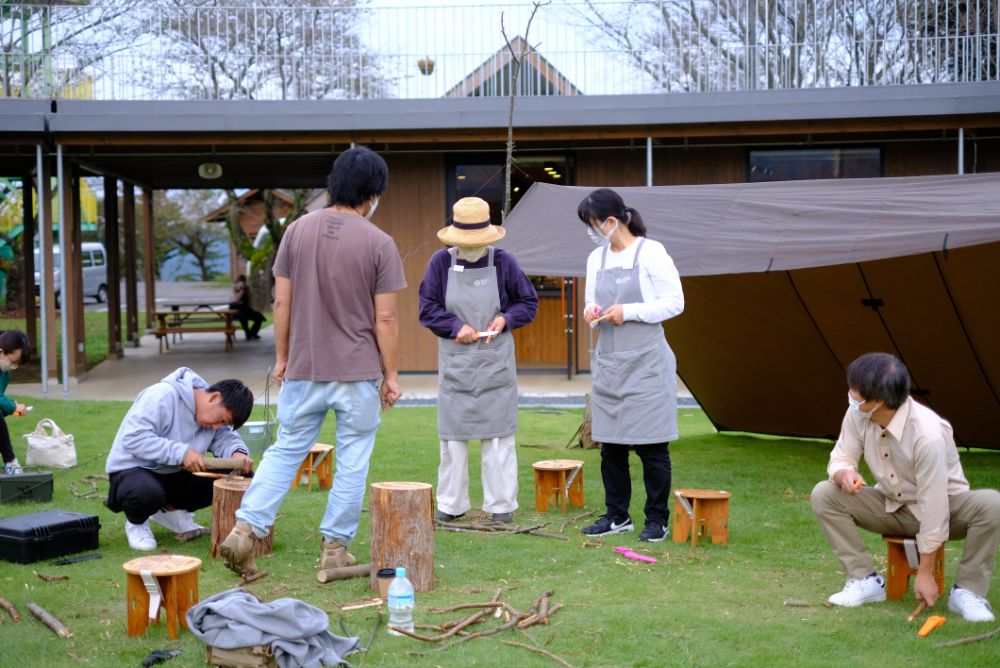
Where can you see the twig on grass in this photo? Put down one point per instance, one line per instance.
(51, 578)
(9, 607)
(796, 603)
(192, 534)
(43, 616)
(538, 650)
(968, 639)
(496, 528)
(574, 520)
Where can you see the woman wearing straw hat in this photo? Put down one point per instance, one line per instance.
(471, 297)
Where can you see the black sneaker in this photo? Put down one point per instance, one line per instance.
(653, 532)
(505, 518)
(605, 526)
(442, 516)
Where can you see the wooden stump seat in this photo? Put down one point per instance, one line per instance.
(900, 567)
(402, 531)
(227, 495)
(559, 478)
(711, 512)
(177, 577)
(318, 462)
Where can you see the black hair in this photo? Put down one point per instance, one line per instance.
(12, 340)
(358, 174)
(236, 397)
(604, 203)
(879, 377)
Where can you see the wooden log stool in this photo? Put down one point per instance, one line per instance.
(168, 581)
(227, 495)
(559, 478)
(402, 531)
(698, 510)
(318, 462)
(903, 561)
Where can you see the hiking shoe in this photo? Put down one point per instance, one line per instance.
(333, 554)
(237, 550)
(605, 526)
(442, 516)
(653, 532)
(178, 521)
(503, 517)
(140, 536)
(12, 467)
(969, 604)
(860, 590)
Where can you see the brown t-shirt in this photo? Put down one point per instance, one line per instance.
(337, 263)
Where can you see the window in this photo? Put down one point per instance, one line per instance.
(814, 163)
(86, 260)
(98, 259)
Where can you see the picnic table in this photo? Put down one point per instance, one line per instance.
(178, 321)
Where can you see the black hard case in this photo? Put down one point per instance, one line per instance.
(51, 533)
(26, 487)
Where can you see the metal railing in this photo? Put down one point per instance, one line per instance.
(349, 49)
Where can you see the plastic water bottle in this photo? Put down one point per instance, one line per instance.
(401, 602)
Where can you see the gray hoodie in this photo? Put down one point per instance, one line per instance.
(160, 427)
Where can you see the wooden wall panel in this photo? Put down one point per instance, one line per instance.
(922, 158)
(542, 344)
(411, 211)
(611, 167)
(676, 166)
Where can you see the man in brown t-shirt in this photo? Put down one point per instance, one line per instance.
(336, 334)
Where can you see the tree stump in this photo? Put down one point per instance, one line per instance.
(402, 531)
(226, 499)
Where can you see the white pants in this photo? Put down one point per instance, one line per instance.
(499, 472)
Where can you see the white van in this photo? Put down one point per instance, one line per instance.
(95, 271)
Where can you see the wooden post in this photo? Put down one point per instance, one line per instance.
(226, 500)
(28, 263)
(402, 531)
(114, 278)
(131, 298)
(148, 261)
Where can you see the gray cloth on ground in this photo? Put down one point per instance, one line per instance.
(296, 631)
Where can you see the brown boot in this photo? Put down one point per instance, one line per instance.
(333, 555)
(238, 548)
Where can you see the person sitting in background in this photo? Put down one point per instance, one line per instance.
(161, 445)
(14, 351)
(921, 491)
(240, 302)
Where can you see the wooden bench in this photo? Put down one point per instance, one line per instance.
(198, 321)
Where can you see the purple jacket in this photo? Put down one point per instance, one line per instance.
(518, 300)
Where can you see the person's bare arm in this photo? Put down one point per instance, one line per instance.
(387, 337)
(282, 324)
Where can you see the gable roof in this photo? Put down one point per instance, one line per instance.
(492, 78)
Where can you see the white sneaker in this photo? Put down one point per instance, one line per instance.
(970, 605)
(140, 536)
(178, 521)
(858, 591)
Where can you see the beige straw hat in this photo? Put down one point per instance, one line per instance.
(471, 225)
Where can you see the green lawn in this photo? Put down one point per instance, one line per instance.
(709, 606)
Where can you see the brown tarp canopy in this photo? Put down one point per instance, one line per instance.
(785, 283)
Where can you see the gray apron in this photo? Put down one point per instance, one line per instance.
(477, 382)
(634, 393)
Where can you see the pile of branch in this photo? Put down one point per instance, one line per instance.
(455, 631)
(90, 493)
(498, 528)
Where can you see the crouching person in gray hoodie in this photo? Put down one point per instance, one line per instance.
(160, 445)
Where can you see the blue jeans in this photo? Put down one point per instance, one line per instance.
(302, 407)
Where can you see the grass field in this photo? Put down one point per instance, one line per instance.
(709, 606)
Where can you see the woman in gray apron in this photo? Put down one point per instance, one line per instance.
(471, 297)
(632, 286)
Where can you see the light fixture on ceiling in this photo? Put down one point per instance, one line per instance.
(209, 170)
(517, 189)
(556, 175)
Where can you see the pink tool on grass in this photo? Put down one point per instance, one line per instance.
(629, 554)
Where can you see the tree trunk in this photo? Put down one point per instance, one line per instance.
(402, 531)
(226, 499)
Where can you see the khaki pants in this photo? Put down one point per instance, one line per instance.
(499, 471)
(975, 516)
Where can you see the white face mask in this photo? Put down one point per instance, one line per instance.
(471, 254)
(371, 211)
(856, 404)
(598, 237)
(7, 365)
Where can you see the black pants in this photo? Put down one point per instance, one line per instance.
(618, 484)
(139, 492)
(6, 449)
(245, 314)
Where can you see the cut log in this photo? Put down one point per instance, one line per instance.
(50, 621)
(345, 572)
(402, 531)
(226, 500)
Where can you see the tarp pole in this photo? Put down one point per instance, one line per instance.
(63, 253)
(43, 271)
(961, 150)
(649, 161)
